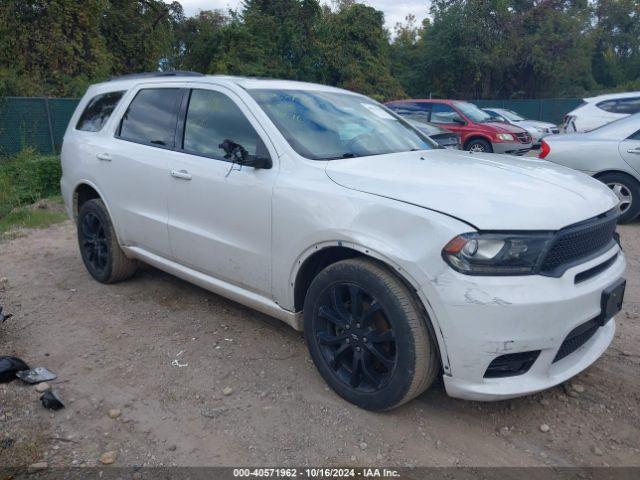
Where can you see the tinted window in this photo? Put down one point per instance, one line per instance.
(443, 113)
(406, 108)
(98, 111)
(627, 106)
(151, 117)
(213, 118)
(635, 136)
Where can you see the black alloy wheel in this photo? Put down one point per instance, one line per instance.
(357, 341)
(93, 242)
(368, 334)
(101, 253)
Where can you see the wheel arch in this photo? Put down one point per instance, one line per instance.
(86, 190)
(598, 175)
(320, 256)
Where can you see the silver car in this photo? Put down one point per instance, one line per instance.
(610, 153)
(537, 129)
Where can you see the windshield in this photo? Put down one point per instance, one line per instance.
(472, 112)
(511, 115)
(329, 125)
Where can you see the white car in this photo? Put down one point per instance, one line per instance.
(537, 129)
(610, 153)
(399, 259)
(597, 111)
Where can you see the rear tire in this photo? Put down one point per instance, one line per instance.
(367, 335)
(101, 253)
(479, 145)
(627, 189)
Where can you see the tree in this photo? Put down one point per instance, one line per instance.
(51, 47)
(616, 57)
(139, 34)
(354, 48)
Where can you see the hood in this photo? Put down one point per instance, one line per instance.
(490, 192)
(503, 127)
(536, 123)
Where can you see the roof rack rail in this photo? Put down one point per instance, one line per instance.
(169, 73)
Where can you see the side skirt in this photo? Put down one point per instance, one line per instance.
(227, 290)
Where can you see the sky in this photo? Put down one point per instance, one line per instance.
(394, 10)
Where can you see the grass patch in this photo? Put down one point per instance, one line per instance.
(26, 178)
(29, 192)
(34, 216)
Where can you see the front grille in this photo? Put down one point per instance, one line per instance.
(577, 338)
(523, 137)
(579, 242)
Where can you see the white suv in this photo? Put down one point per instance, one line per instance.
(399, 259)
(597, 111)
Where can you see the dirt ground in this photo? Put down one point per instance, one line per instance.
(200, 380)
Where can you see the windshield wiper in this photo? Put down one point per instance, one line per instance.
(344, 155)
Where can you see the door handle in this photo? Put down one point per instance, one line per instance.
(181, 174)
(634, 150)
(105, 157)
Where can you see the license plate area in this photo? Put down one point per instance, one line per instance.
(611, 300)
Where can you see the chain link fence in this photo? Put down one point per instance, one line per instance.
(35, 122)
(39, 122)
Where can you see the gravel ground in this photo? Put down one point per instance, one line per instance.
(199, 380)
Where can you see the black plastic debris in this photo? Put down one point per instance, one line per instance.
(6, 443)
(51, 400)
(9, 368)
(36, 375)
(4, 317)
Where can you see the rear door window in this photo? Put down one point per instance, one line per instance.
(628, 106)
(98, 111)
(152, 117)
(625, 106)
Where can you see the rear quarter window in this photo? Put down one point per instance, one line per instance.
(98, 111)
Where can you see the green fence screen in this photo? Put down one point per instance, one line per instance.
(548, 110)
(40, 122)
(34, 122)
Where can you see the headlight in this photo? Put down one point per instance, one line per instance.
(507, 137)
(541, 129)
(496, 253)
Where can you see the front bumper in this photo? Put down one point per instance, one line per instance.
(511, 148)
(482, 318)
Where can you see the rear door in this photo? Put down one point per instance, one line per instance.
(219, 213)
(134, 165)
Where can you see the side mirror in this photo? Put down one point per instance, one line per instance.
(458, 120)
(236, 152)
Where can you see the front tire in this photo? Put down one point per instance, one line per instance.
(101, 253)
(367, 335)
(479, 145)
(627, 189)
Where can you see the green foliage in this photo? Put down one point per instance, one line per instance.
(468, 48)
(33, 217)
(26, 178)
(51, 47)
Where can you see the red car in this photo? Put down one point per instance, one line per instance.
(479, 131)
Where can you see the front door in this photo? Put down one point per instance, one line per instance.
(220, 213)
(630, 150)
